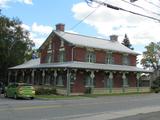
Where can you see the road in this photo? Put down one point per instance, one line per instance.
(101, 108)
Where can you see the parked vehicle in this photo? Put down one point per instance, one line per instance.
(20, 90)
(1, 88)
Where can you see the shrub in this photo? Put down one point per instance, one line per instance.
(156, 85)
(88, 90)
(45, 91)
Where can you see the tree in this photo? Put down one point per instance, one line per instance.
(126, 42)
(151, 56)
(15, 44)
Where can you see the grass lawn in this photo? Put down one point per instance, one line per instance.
(56, 97)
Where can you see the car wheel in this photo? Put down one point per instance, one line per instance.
(32, 98)
(15, 96)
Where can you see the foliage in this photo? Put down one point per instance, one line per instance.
(126, 42)
(88, 90)
(15, 44)
(156, 85)
(150, 56)
(45, 91)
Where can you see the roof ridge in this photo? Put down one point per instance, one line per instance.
(85, 35)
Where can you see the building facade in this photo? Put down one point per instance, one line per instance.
(78, 64)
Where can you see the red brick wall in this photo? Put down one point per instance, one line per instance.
(56, 45)
(117, 58)
(100, 56)
(68, 50)
(99, 79)
(117, 80)
(78, 86)
(79, 54)
(43, 55)
(132, 59)
(132, 80)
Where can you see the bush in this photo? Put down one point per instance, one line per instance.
(45, 91)
(156, 85)
(88, 90)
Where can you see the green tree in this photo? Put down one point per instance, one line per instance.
(151, 56)
(15, 44)
(126, 42)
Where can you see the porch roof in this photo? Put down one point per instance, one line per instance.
(34, 64)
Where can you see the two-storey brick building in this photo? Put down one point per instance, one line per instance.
(75, 63)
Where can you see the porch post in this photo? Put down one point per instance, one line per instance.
(68, 82)
(92, 79)
(32, 75)
(138, 76)
(110, 81)
(55, 77)
(43, 76)
(124, 81)
(15, 76)
(9, 75)
(23, 76)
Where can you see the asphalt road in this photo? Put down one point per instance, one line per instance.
(101, 108)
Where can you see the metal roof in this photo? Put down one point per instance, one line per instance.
(93, 42)
(35, 64)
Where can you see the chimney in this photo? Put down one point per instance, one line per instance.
(114, 38)
(60, 27)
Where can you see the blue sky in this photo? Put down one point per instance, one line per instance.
(40, 17)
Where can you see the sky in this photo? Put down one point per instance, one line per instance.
(39, 17)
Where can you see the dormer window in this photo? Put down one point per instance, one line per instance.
(61, 55)
(48, 57)
(125, 59)
(109, 58)
(90, 57)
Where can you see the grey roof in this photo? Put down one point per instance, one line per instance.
(93, 42)
(81, 65)
(28, 64)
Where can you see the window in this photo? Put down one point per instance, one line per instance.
(125, 60)
(90, 57)
(60, 81)
(87, 81)
(109, 58)
(125, 84)
(61, 56)
(48, 58)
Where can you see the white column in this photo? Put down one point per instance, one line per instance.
(124, 80)
(55, 77)
(15, 76)
(32, 75)
(92, 77)
(9, 75)
(23, 76)
(68, 82)
(110, 81)
(138, 76)
(43, 77)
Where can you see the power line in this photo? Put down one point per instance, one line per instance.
(85, 16)
(152, 3)
(141, 8)
(122, 9)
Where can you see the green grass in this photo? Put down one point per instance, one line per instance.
(57, 97)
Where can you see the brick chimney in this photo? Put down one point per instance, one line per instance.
(114, 38)
(60, 27)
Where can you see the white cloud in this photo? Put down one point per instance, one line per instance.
(4, 3)
(41, 29)
(106, 21)
(26, 27)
